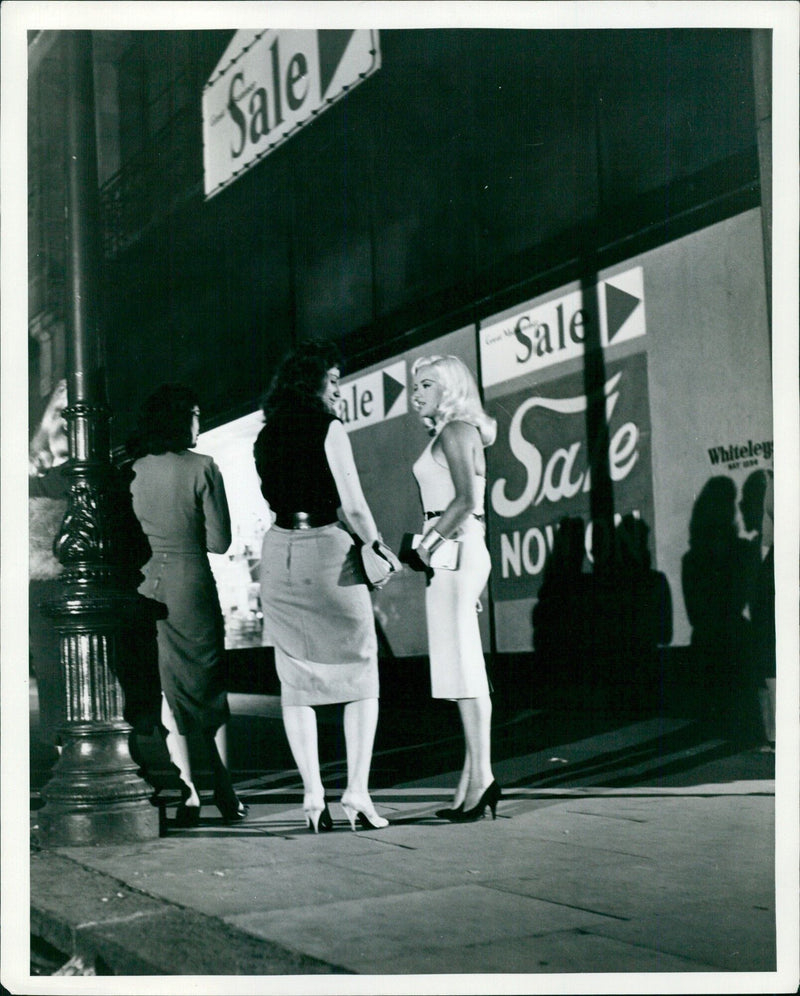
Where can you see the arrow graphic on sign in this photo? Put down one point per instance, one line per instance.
(268, 85)
(331, 47)
(392, 389)
(374, 397)
(620, 305)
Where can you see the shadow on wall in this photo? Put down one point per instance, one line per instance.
(720, 576)
(597, 635)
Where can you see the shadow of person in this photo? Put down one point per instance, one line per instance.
(136, 658)
(631, 619)
(757, 508)
(596, 635)
(560, 617)
(717, 574)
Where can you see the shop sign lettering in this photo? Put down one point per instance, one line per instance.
(540, 468)
(374, 397)
(732, 456)
(560, 477)
(270, 84)
(540, 335)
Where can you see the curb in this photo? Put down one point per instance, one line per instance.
(102, 922)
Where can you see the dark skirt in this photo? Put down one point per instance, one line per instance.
(191, 638)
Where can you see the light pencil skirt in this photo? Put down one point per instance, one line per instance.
(318, 615)
(458, 669)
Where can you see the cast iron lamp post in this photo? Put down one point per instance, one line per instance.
(96, 794)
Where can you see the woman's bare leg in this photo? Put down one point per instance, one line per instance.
(360, 724)
(476, 718)
(463, 782)
(178, 748)
(300, 723)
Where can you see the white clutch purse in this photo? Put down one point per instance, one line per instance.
(446, 555)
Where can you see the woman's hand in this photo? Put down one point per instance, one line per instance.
(388, 555)
(424, 555)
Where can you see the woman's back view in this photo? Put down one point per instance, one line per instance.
(179, 499)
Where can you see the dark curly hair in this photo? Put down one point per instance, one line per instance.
(300, 377)
(165, 422)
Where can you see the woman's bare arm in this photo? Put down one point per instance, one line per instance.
(339, 453)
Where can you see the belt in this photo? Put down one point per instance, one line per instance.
(435, 515)
(304, 520)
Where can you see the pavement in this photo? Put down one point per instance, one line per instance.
(633, 844)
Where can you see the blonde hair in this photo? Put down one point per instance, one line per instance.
(460, 399)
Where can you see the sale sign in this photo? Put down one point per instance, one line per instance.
(545, 333)
(270, 84)
(539, 470)
(374, 397)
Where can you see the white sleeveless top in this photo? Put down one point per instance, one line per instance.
(436, 485)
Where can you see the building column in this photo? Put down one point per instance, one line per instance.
(762, 88)
(96, 795)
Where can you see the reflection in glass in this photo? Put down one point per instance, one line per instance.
(236, 572)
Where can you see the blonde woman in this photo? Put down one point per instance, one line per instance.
(451, 474)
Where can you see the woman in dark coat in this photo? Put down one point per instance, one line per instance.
(179, 499)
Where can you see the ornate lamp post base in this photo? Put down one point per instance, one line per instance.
(96, 794)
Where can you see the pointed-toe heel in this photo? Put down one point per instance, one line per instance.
(489, 798)
(318, 819)
(232, 810)
(371, 821)
(187, 816)
(454, 815)
(366, 817)
(494, 798)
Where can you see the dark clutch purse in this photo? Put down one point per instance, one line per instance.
(445, 557)
(407, 554)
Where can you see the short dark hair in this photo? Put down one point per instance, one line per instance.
(300, 376)
(165, 421)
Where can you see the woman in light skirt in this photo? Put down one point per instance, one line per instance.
(451, 474)
(315, 599)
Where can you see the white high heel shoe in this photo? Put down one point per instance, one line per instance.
(317, 817)
(363, 812)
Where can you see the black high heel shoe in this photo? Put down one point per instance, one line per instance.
(187, 816)
(454, 815)
(489, 798)
(232, 810)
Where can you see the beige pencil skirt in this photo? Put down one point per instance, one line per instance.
(318, 616)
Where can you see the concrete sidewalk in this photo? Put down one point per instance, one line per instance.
(602, 859)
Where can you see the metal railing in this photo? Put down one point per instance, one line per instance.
(153, 182)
